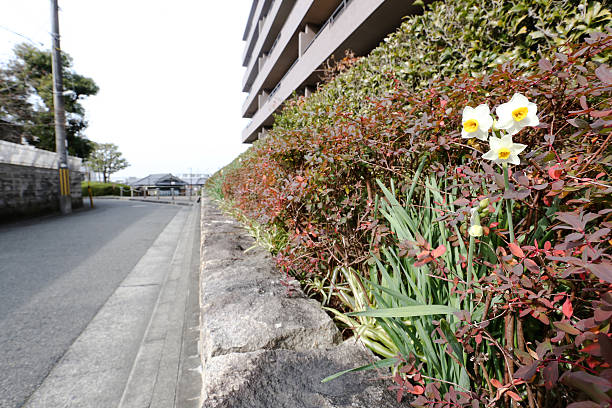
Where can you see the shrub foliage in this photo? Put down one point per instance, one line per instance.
(535, 312)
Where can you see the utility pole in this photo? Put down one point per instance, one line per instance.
(65, 202)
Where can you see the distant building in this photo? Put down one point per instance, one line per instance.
(288, 41)
(162, 182)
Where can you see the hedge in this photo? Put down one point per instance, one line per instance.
(380, 138)
(104, 189)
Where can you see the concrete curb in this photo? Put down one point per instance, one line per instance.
(262, 345)
(154, 201)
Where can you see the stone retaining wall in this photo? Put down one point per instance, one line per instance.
(29, 181)
(263, 345)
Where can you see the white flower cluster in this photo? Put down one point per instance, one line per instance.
(512, 117)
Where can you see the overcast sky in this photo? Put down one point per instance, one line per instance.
(169, 74)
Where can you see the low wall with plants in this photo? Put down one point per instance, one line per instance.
(459, 224)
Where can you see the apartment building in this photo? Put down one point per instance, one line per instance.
(288, 41)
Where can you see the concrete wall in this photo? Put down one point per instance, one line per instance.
(303, 47)
(29, 181)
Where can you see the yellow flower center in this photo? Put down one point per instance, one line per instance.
(503, 153)
(470, 125)
(519, 114)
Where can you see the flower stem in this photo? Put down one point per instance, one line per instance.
(470, 260)
(474, 221)
(509, 203)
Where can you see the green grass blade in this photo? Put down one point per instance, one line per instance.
(406, 311)
(387, 362)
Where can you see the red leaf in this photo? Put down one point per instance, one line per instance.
(567, 328)
(496, 383)
(555, 172)
(603, 271)
(531, 265)
(584, 404)
(604, 73)
(605, 345)
(567, 308)
(527, 372)
(593, 349)
(551, 374)
(423, 254)
(543, 318)
(418, 390)
(516, 250)
(545, 65)
(439, 251)
(513, 395)
(601, 114)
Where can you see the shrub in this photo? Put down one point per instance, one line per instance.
(104, 189)
(535, 302)
(549, 288)
(320, 185)
(450, 38)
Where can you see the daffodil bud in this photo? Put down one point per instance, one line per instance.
(475, 231)
(483, 203)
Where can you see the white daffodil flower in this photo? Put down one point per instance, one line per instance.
(503, 150)
(516, 114)
(476, 122)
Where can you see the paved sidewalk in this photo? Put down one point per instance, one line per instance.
(140, 350)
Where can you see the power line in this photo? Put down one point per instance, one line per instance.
(22, 35)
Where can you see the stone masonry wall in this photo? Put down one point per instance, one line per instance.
(264, 345)
(28, 190)
(29, 181)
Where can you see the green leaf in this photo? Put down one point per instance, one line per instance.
(387, 362)
(407, 311)
(452, 340)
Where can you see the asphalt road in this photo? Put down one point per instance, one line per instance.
(55, 275)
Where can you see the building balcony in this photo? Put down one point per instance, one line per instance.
(353, 25)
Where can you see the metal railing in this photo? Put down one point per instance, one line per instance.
(284, 76)
(333, 17)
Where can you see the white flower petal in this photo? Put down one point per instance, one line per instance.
(513, 159)
(481, 134)
(504, 113)
(506, 141)
(517, 148)
(531, 120)
(466, 135)
(468, 113)
(514, 129)
(486, 122)
(532, 108)
(490, 155)
(482, 110)
(519, 100)
(495, 144)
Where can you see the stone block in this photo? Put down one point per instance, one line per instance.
(292, 379)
